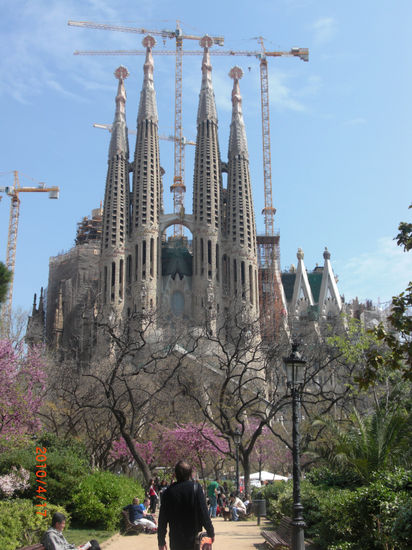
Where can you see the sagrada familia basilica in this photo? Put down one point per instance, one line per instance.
(123, 262)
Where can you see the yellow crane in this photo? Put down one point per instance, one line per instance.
(178, 188)
(262, 55)
(13, 192)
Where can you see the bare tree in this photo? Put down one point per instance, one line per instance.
(131, 377)
(236, 378)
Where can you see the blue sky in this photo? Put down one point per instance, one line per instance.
(340, 124)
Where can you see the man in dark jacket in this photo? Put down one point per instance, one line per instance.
(184, 508)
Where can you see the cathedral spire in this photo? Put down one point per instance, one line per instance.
(240, 219)
(147, 105)
(116, 202)
(119, 141)
(237, 141)
(207, 106)
(144, 242)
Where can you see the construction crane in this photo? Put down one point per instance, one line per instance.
(263, 55)
(178, 188)
(13, 192)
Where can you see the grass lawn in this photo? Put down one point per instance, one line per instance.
(80, 536)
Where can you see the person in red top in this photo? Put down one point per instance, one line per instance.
(153, 496)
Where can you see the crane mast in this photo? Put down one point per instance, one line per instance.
(178, 188)
(13, 193)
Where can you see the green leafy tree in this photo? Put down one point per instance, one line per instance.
(364, 445)
(398, 337)
(5, 278)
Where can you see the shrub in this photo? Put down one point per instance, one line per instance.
(66, 467)
(100, 498)
(21, 525)
(331, 478)
(270, 491)
(377, 516)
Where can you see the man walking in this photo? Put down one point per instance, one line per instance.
(184, 508)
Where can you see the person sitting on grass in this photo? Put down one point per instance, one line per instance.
(54, 539)
(137, 516)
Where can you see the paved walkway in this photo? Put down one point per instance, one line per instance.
(240, 535)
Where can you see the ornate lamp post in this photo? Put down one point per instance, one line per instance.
(236, 438)
(295, 368)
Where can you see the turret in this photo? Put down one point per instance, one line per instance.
(116, 205)
(143, 265)
(330, 302)
(302, 299)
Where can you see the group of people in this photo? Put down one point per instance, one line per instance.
(228, 507)
(184, 511)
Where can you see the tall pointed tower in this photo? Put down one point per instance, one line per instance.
(207, 200)
(143, 263)
(116, 206)
(240, 261)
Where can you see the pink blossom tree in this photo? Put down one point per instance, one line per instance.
(22, 382)
(196, 443)
(199, 444)
(269, 453)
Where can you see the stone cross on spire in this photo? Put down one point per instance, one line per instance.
(207, 107)
(237, 140)
(147, 105)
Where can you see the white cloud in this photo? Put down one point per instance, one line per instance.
(359, 121)
(281, 96)
(381, 273)
(40, 44)
(324, 30)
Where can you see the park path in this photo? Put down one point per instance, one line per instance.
(241, 535)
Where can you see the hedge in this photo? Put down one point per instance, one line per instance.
(21, 526)
(100, 498)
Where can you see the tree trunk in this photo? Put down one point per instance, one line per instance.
(246, 473)
(144, 468)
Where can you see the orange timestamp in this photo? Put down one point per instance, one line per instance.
(41, 475)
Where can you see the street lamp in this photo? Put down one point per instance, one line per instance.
(236, 438)
(295, 369)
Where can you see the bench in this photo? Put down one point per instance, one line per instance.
(129, 526)
(281, 537)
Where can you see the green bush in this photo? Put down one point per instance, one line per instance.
(330, 478)
(377, 516)
(21, 525)
(100, 498)
(66, 467)
(270, 491)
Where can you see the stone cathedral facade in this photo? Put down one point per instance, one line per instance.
(124, 263)
(140, 269)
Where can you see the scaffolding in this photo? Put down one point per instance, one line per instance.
(272, 303)
(90, 228)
